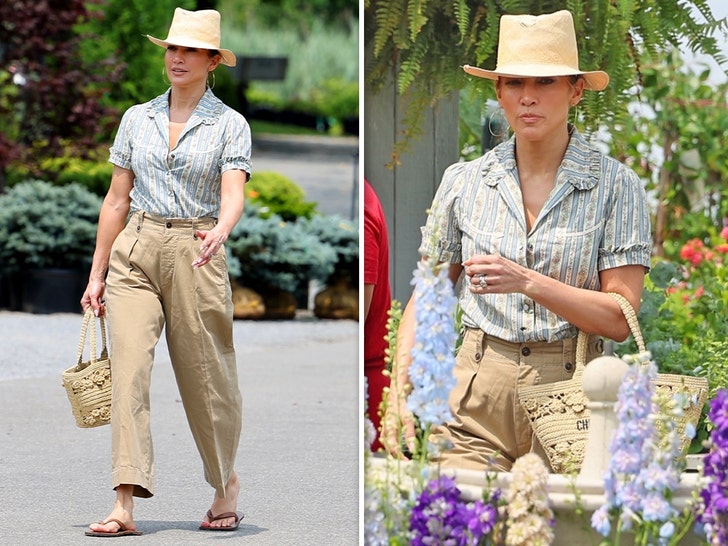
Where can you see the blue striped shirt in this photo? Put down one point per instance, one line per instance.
(183, 182)
(595, 218)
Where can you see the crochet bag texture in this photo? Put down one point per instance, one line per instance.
(559, 412)
(88, 383)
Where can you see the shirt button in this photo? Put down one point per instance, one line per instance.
(169, 224)
(568, 366)
(478, 356)
(527, 308)
(525, 351)
(600, 345)
(530, 247)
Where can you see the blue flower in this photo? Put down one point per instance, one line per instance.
(643, 471)
(433, 356)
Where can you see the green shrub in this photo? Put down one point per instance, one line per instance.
(265, 252)
(47, 226)
(343, 236)
(91, 174)
(276, 194)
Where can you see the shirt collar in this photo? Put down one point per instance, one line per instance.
(581, 166)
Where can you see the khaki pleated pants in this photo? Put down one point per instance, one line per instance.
(152, 285)
(490, 428)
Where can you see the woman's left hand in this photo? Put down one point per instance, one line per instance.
(211, 242)
(494, 274)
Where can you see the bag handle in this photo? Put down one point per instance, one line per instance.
(631, 317)
(87, 321)
(582, 339)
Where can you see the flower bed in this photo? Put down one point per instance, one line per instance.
(632, 488)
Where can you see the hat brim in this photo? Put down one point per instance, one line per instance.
(596, 80)
(228, 57)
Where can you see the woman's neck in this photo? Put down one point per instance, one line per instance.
(541, 157)
(183, 101)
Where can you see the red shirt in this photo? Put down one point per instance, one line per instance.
(376, 272)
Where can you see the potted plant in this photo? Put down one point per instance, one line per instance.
(47, 237)
(340, 297)
(274, 257)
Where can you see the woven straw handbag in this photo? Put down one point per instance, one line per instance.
(88, 383)
(559, 414)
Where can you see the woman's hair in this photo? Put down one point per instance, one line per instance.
(212, 52)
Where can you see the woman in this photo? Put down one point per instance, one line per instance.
(180, 165)
(542, 227)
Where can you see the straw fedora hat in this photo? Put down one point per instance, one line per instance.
(539, 45)
(199, 29)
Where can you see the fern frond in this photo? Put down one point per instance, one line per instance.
(462, 16)
(389, 17)
(417, 18)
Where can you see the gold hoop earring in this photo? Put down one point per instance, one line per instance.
(214, 81)
(165, 79)
(498, 120)
(572, 126)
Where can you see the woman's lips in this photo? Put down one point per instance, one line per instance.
(529, 118)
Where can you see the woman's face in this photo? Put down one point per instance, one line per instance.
(188, 65)
(538, 108)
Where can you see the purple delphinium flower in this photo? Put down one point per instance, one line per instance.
(714, 495)
(433, 355)
(441, 518)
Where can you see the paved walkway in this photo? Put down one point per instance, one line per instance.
(298, 457)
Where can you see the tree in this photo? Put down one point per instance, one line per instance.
(53, 99)
(123, 25)
(426, 41)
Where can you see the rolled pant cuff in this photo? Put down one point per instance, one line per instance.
(143, 482)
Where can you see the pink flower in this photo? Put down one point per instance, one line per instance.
(724, 232)
(692, 251)
(722, 248)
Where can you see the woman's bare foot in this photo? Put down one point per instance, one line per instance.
(228, 504)
(122, 511)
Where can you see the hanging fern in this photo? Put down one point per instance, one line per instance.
(422, 44)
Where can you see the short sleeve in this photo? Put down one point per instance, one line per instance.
(237, 146)
(120, 151)
(441, 236)
(627, 233)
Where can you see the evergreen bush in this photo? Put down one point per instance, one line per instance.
(265, 251)
(47, 226)
(343, 236)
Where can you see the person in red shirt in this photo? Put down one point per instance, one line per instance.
(377, 302)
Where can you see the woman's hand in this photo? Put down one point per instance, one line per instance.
(494, 274)
(93, 297)
(212, 241)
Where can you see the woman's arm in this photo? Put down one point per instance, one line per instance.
(112, 218)
(232, 199)
(589, 310)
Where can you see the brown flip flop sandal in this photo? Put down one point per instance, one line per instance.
(122, 532)
(237, 515)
